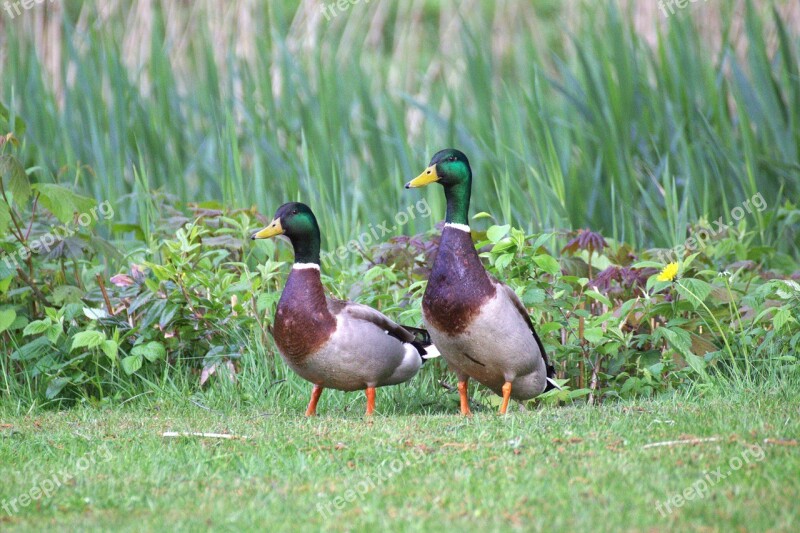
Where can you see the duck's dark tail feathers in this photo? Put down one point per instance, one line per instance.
(551, 377)
(551, 371)
(423, 343)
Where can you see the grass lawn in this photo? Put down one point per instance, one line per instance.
(672, 140)
(577, 467)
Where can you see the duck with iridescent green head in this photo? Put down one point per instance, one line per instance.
(334, 343)
(479, 324)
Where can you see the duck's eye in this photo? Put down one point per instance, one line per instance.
(294, 212)
(452, 158)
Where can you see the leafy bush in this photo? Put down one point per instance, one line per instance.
(95, 306)
(195, 294)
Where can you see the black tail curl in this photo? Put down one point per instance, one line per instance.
(422, 340)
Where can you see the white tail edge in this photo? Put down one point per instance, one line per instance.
(552, 382)
(431, 352)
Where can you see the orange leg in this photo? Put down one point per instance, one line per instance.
(370, 400)
(506, 397)
(462, 392)
(312, 405)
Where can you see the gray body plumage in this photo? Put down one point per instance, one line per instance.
(360, 353)
(498, 346)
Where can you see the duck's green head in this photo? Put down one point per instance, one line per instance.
(298, 223)
(450, 168)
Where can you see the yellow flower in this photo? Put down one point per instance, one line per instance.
(669, 273)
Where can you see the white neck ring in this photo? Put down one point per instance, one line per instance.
(462, 227)
(305, 266)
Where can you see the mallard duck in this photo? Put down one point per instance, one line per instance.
(334, 343)
(479, 324)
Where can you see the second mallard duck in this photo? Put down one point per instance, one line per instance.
(334, 343)
(479, 324)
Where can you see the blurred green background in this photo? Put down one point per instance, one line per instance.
(621, 117)
(606, 115)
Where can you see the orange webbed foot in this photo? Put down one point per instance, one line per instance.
(464, 396)
(506, 397)
(370, 401)
(316, 392)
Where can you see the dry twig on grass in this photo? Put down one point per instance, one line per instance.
(202, 435)
(679, 442)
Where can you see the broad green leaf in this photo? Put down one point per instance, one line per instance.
(503, 246)
(19, 323)
(5, 220)
(266, 300)
(625, 308)
(794, 289)
(162, 273)
(495, 233)
(599, 297)
(88, 339)
(578, 393)
(503, 261)
(533, 296)
(167, 315)
(5, 283)
(657, 286)
(778, 321)
(678, 338)
(19, 125)
(518, 236)
(54, 332)
(13, 175)
(110, 348)
(33, 350)
(7, 317)
(36, 327)
(540, 240)
(8, 267)
(55, 387)
(648, 264)
(593, 335)
(544, 329)
(67, 294)
(152, 351)
(132, 363)
(688, 261)
(694, 290)
(697, 364)
(547, 263)
(64, 203)
(95, 314)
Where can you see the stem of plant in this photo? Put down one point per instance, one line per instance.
(721, 333)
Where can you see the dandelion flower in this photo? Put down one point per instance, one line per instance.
(669, 273)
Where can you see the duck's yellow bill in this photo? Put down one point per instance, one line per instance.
(426, 178)
(273, 229)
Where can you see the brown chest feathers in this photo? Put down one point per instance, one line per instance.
(303, 322)
(458, 284)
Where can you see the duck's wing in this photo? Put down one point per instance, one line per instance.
(372, 316)
(512, 296)
(417, 337)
